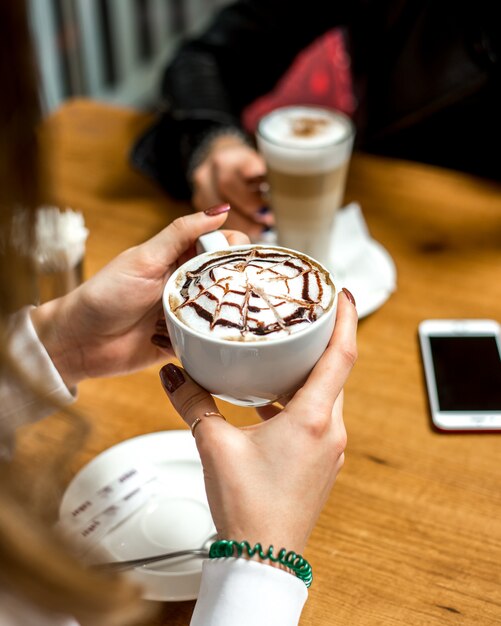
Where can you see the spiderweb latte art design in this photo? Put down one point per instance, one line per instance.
(252, 293)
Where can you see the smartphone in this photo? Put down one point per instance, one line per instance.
(462, 367)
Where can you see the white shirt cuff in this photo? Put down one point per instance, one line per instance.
(239, 591)
(36, 389)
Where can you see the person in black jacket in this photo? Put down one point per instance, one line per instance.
(426, 79)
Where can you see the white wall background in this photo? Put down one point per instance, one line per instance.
(110, 50)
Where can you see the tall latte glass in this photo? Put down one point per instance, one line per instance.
(248, 323)
(307, 150)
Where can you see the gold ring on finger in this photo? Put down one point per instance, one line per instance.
(199, 419)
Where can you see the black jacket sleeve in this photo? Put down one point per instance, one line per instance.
(248, 46)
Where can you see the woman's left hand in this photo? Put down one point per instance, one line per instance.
(105, 326)
(268, 482)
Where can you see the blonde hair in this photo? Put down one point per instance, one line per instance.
(35, 564)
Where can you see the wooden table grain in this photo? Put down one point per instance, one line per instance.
(411, 533)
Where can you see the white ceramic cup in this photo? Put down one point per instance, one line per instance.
(252, 372)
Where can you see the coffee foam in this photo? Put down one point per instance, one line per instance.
(251, 294)
(305, 140)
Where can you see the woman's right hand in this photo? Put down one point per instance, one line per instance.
(268, 482)
(233, 172)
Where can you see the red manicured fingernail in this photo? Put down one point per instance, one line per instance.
(172, 377)
(217, 210)
(162, 341)
(349, 295)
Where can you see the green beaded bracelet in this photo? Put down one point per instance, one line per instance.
(291, 560)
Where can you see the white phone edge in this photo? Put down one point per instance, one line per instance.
(456, 420)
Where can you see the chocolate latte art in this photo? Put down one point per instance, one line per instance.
(251, 294)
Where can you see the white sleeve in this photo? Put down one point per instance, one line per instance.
(247, 593)
(37, 389)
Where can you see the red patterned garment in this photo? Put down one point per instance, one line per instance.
(320, 74)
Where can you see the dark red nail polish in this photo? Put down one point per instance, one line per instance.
(349, 295)
(217, 210)
(161, 340)
(172, 377)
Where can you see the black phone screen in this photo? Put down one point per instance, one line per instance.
(467, 373)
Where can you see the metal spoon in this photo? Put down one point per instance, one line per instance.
(120, 566)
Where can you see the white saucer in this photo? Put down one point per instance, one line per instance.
(360, 263)
(177, 517)
(371, 277)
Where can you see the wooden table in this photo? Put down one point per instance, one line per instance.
(412, 531)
